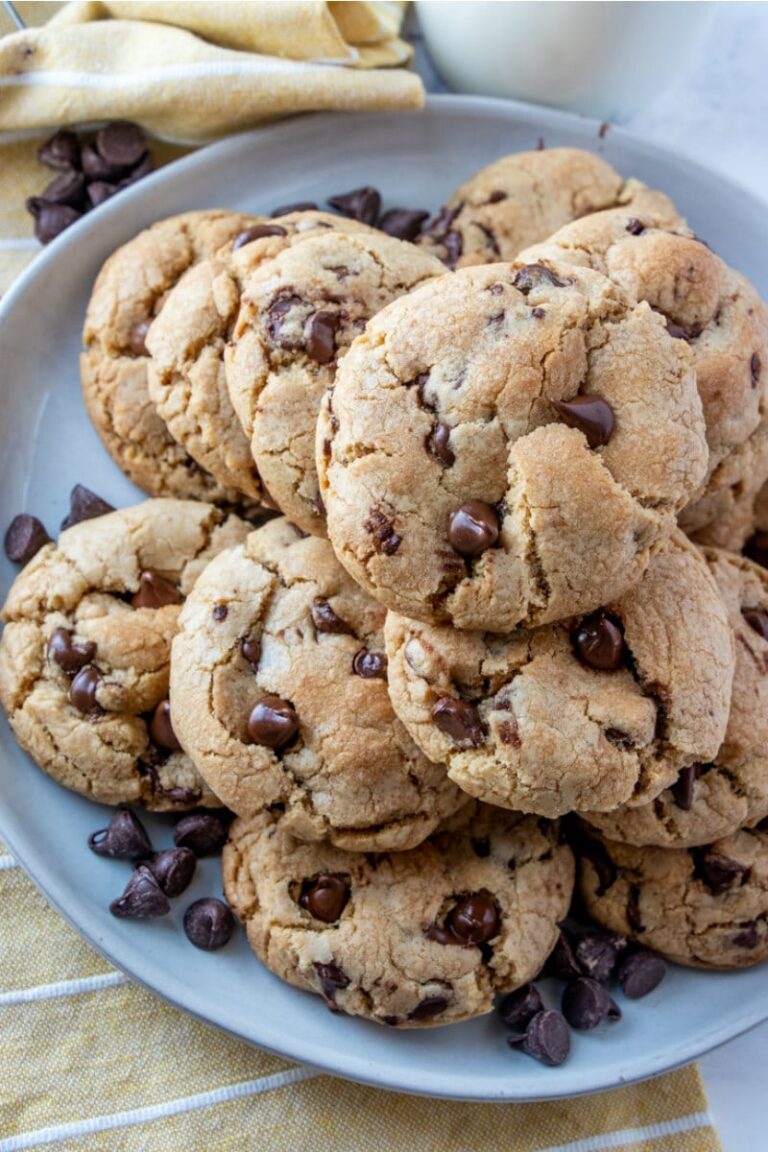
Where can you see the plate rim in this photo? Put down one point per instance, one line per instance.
(335, 1061)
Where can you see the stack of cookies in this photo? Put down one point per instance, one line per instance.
(445, 546)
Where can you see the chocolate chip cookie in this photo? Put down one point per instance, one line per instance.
(187, 381)
(84, 656)
(523, 198)
(712, 799)
(279, 695)
(721, 317)
(128, 294)
(508, 445)
(585, 714)
(299, 314)
(706, 907)
(409, 939)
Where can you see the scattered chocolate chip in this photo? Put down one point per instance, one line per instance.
(381, 527)
(68, 188)
(639, 973)
(635, 227)
(96, 167)
(60, 151)
(682, 789)
(547, 1038)
(518, 1008)
(319, 332)
(439, 444)
(403, 223)
(257, 232)
(155, 591)
(757, 620)
(331, 979)
(532, 276)
(84, 505)
(273, 722)
(250, 646)
(370, 665)
(201, 832)
(598, 642)
(208, 924)
(473, 528)
(137, 338)
(142, 169)
(591, 414)
(124, 838)
(586, 1004)
(755, 367)
(717, 872)
(474, 919)
(363, 204)
(561, 961)
(325, 619)
(429, 1007)
(173, 868)
(325, 896)
(51, 219)
(460, 720)
(288, 209)
(24, 538)
(82, 693)
(161, 731)
(220, 612)
(597, 953)
(142, 899)
(99, 191)
(756, 548)
(69, 657)
(121, 143)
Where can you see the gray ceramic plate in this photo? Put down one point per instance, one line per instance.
(47, 445)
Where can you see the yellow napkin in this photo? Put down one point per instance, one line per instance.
(92, 1063)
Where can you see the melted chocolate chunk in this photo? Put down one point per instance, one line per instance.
(257, 232)
(82, 693)
(325, 619)
(370, 665)
(460, 720)
(598, 642)
(325, 896)
(70, 657)
(473, 528)
(381, 527)
(717, 872)
(155, 591)
(591, 414)
(161, 731)
(532, 276)
(273, 722)
(331, 980)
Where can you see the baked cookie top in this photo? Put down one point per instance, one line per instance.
(712, 799)
(129, 292)
(525, 197)
(187, 381)
(706, 907)
(299, 313)
(716, 311)
(85, 653)
(507, 445)
(586, 714)
(279, 695)
(408, 939)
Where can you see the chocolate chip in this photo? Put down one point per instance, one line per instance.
(453, 242)
(331, 979)
(682, 789)
(84, 505)
(562, 962)
(220, 612)
(497, 196)
(121, 143)
(325, 619)
(250, 646)
(277, 311)
(51, 219)
(518, 1008)
(640, 972)
(361, 204)
(273, 722)
(635, 227)
(325, 896)
(257, 232)
(202, 833)
(590, 414)
(82, 693)
(717, 872)
(757, 620)
(598, 642)
(460, 720)
(319, 332)
(546, 1038)
(439, 444)
(403, 223)
(155, 591)
(749, 937)
(473, 528)
(208, 924)
(586, 1004)
(124, 838)
(300, 206)
(755, 366)
(538, 313)
(96, 167)
(597, 953)
(173, 868)
(142, 899)
(429, 1007)
(370, 665)
(674, 330)
(381, 528)
(69, 657)
(137, 338)
(756, 548)
(24, 538)
(68, 188)
(161, 731)
(474, 919)
(99, 191)
(482, 847)
(145, 166)
(532, 276)
(60, 151)
(442, 222)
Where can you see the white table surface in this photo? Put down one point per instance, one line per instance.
(716, 111)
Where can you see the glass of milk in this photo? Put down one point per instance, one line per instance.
(605, 59)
